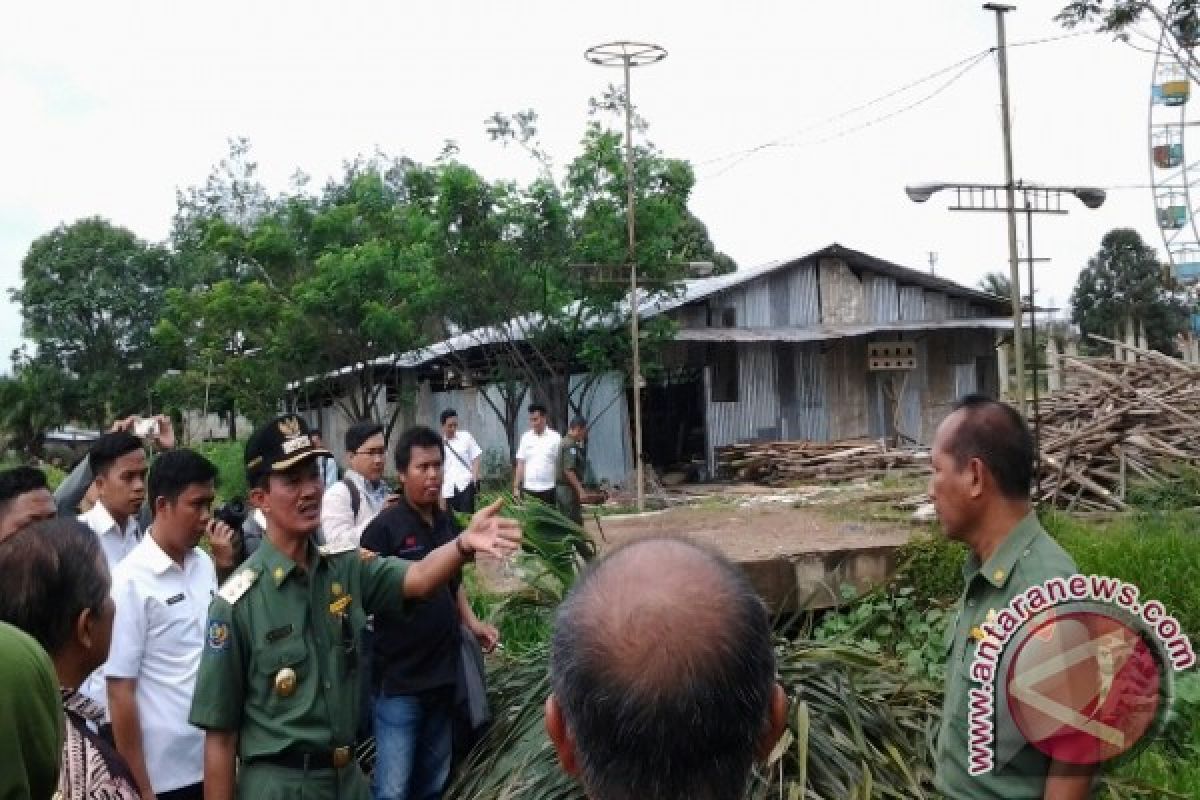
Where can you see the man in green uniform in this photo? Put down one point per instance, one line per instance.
(982, 475)
(572, 467)
(277, 692)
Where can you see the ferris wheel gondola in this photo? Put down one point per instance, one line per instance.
(1174, 138)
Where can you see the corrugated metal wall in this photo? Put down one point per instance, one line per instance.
(609, 445)
(883, 303)
(912, 303)
(804, 414)
(913, 386)
(755, 414)
(785, 299)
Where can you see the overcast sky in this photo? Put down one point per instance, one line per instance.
(110, 107)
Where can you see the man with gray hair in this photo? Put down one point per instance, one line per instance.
(662, 674)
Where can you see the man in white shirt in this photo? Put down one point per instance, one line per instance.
(537, 459)
(162, 591)
(351, 503)
(460, 476)
(118, 463)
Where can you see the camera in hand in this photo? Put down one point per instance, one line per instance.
(233, 513)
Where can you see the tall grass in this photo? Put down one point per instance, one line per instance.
(1159, 553)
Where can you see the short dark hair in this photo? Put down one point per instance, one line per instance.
(358, 433)
(109, 447)
(577, 422)
(176, 470)
(639, 734)
(418, 436)
(998, 436)
(537, 408)
(51, 571)
(447, 414)
(19, 480)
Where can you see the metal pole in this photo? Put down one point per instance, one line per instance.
(1014, 270)
(633, 298)
(1037, 421)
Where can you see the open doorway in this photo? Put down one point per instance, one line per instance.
(673, 425)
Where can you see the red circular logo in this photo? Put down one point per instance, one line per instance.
(1084, 687)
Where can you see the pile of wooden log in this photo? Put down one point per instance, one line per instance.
(1121, 425)
(783, 463)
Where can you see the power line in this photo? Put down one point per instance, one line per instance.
(843, 114)
(972, 60)
(869, 123)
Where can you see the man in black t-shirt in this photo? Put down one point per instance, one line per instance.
(416, 654)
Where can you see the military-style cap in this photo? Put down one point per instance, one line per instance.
(279, 445)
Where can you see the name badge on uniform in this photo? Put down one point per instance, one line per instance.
(176, 599)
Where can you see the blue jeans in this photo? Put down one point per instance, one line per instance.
(412, 746)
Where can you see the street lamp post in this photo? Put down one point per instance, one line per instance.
(1035, 200)
(628, 55)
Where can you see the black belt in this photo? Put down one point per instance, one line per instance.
(329, 759)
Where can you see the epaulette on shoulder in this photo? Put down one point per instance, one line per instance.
(238, 585)
(337, 549)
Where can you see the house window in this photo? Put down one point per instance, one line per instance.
(722, 317)
(725, 374)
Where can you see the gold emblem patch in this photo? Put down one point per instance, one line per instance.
(336, 589)
(285, 682)
(340, 605)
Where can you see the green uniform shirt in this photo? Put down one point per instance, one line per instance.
(281, 659)
(31, 717)
(571, 456)
(1026, 557)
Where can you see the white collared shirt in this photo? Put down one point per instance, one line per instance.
(339, 523)
(117, 544)
(455, 473)
(540, 454)
(157, 639)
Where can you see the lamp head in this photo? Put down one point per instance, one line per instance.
(1090, 197)
(922, 192)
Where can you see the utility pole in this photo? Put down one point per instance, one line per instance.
(1014, 270)
(629, 55)
(932, 263)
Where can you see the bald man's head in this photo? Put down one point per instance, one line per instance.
(663, 675)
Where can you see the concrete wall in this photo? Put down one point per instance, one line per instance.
(843, 301)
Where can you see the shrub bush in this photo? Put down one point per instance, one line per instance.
(932, 565)
(231, 468)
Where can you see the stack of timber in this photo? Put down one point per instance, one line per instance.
(1121, 424)
(783, 463)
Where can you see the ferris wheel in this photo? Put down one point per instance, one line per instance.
(1174, 139)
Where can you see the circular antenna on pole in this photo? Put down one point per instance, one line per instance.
(618, 54)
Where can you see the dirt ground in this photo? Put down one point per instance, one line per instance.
(748, 524)
(752, 533)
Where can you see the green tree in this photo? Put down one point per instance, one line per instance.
(996, 283)
(537, 272)
(1124, 281)
(298, 285)
(1129, 19)
(91, 294)
(35, 399)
